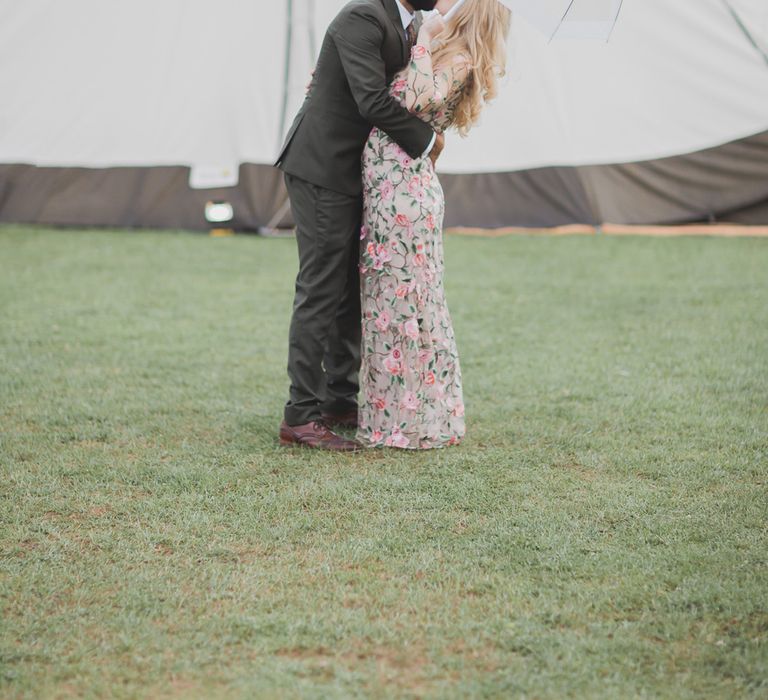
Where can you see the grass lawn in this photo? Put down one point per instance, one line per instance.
(601, 532)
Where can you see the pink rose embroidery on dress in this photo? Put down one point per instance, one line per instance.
(410, 374)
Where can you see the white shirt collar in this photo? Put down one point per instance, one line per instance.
(405, 16)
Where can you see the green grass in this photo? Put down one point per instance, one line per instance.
(601, 533)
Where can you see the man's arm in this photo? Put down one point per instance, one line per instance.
(359, 50)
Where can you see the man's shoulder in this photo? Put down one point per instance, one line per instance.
(362, 8)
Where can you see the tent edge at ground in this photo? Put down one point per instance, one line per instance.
(726, 182)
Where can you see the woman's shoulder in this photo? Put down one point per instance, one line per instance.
(459, 63)
(462, 60)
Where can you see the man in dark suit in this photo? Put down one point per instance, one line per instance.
(367, 43)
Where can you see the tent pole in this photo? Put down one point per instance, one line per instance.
(311, 25)
(615, 19)
(282, 210)
(279, 215)
(286, 72)
(562, 19)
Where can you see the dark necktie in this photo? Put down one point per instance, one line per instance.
(410, 35)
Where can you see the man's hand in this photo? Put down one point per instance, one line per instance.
(309, 84)
(437, 149)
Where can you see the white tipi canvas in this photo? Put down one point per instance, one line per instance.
(210, 88)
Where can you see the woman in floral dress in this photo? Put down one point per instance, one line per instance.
(410, 377)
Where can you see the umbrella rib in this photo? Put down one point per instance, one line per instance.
(615, 19)
(562, 19)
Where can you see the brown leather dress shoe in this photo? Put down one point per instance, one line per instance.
(342, 420)
(316, 434)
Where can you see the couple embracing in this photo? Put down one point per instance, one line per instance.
(369, 312)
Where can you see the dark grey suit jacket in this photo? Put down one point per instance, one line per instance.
(364, 47)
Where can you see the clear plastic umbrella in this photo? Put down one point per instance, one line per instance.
(564, 19)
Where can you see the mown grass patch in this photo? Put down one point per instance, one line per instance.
(600, 533)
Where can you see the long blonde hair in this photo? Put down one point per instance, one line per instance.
(479, 29)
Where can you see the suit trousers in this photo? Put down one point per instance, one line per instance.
(325, 330)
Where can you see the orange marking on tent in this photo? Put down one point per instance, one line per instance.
(726, 230)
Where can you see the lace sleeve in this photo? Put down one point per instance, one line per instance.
(428, 87)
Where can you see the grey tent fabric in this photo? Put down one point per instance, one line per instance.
(723, 183)
(727, 182)
(151, 197)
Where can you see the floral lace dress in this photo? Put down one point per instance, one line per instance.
(410, 378)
